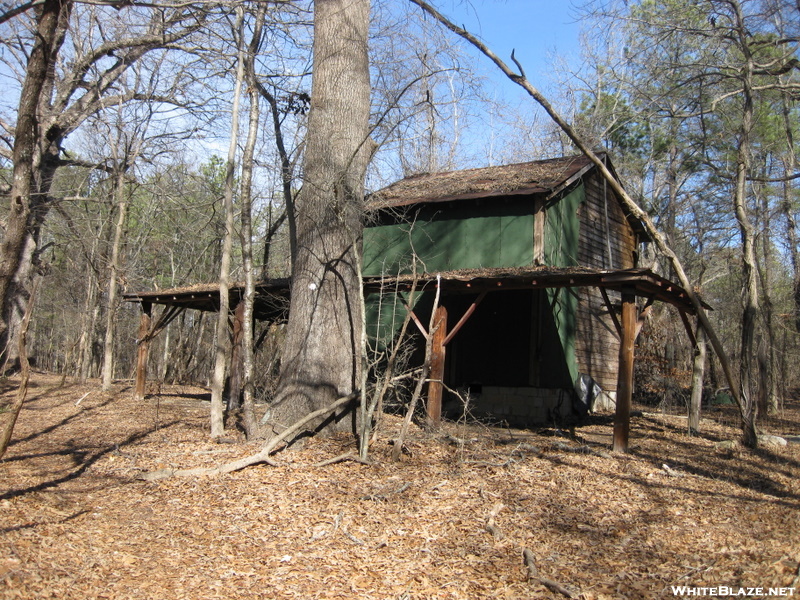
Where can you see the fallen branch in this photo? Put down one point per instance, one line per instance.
(263, 456)
(488, 463)
(457, 441)
(342, 458)
(533, 573)
(670, 471)
(490, 526)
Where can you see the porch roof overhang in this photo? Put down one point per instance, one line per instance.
(272, 296)
(642, 282)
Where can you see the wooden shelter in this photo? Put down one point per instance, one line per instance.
(537, 269)
(538, 266)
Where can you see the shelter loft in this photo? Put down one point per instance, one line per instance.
(537, 268)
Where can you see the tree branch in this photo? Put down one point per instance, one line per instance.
(18, 10)
(783, 179)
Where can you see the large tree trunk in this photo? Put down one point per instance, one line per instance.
(322, 353)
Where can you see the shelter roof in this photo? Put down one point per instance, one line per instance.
(508, 180)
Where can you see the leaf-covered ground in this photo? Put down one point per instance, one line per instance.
(449, 521)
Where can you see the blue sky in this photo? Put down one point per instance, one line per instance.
(535, 29)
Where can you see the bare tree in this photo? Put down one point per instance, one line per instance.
(26, 161)
(246, 197)
(222, 337)
(55, 102)
(125, 150)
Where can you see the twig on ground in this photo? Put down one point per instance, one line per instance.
(342, 458)
(581, 450)
(352, 538)
(533, 573)
(486, 463)
(796, 581)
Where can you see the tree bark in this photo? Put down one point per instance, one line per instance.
(322, 353)
(787, 209)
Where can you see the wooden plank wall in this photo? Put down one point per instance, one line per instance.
(606, 241)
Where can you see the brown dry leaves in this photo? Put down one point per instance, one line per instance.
(77, 523)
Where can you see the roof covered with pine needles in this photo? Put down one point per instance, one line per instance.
(536, 177)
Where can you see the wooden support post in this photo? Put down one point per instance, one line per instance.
(436, 375)
(622, 417)
(237, 358)
(143, 350)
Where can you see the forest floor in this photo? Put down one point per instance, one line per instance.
(448, 521)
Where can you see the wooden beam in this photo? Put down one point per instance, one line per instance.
(465, 317)
(143, 350)
(415, 318)
(436, 376)
(622, 416)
